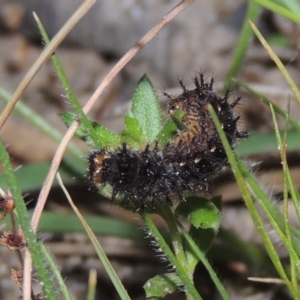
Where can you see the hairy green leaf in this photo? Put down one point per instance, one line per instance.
(105, 138)
(146, 109)
(162, 285)
(201, 212)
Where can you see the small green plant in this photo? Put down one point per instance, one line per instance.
(144, 126)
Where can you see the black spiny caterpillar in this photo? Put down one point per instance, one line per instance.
(186, 163)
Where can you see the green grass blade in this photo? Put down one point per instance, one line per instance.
(91, 295)
(278, 62)
(267, 205)
(294, 194)
(292, 12)
(276, 108)
(282, 145)
(244, 178)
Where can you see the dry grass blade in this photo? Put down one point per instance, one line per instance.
(277, 61)
(106, 263)
(27, 275)
(266, 280)
(50, 176)
(115, 70)
(81, 11)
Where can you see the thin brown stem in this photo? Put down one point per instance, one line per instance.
(27, 274)
(18, 251)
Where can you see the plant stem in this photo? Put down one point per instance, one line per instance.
(186, 281)
(71, 96)
(168, 216)
(33, 244)
(201, 257)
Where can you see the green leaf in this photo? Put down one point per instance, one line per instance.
(203, 238)
(133, 131)
(162, 285)
(146, 109)
(169, 128)
(201, 212)
(105, 138)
